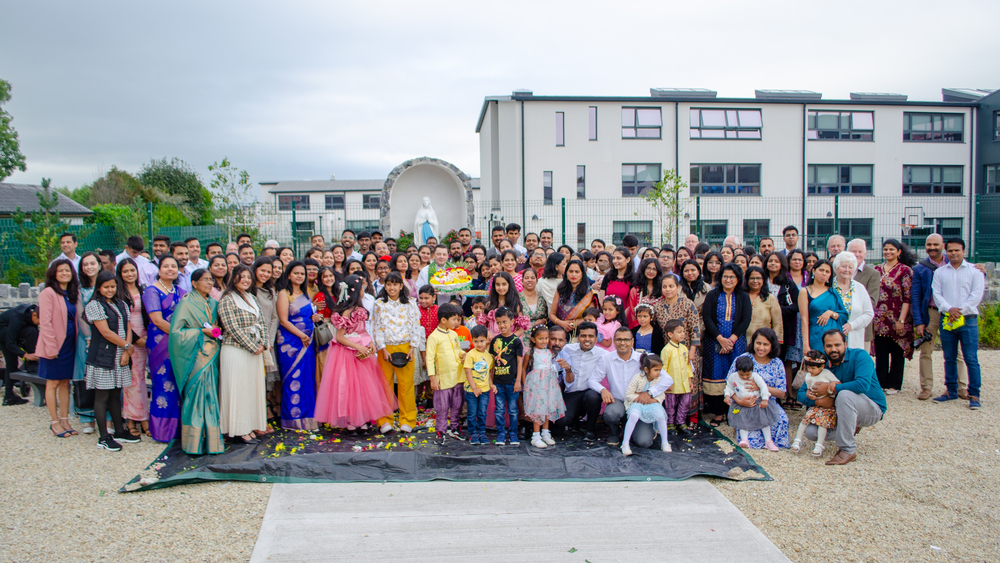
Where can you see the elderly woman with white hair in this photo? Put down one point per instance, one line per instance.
(855, 298)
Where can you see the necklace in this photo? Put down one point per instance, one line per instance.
(171, 290)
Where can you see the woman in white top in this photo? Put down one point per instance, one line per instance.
(855, 298)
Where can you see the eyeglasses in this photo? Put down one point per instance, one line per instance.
(623, 340)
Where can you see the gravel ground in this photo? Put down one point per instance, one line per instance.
(60, 502)
(926, 477)
(923, 488)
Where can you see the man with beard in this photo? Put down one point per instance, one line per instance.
(465, 237)
(455, 251)
(858, 398)
(179, 251)
(161, 247)
(247, 255)
(577, 363)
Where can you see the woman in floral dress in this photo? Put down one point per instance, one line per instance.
(893, 323)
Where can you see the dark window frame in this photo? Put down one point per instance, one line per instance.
(737, 130)
(754, 234)
(636, 128)
(547, 187)
(993, 186)
(302, 202)
(581, 235)
(842, 134)
(366, 201)
(734, 187)
(853, 188)
(939, 187)
(331, 206)
(581, 181)
(636, 188)
(592, 123)
(625, 226)
(909, 133)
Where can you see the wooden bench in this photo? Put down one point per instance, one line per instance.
(37, 386)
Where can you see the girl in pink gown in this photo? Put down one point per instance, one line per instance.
(353, 390)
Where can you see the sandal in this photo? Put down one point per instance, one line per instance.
(133, 430)
(63, 434)
(67, 427)
(145, 428)
(715, 422)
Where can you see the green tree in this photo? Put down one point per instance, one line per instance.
(237, 206)
(664, 203)
(11, 158)
(80, 195)
(175, 177)
(38, 235)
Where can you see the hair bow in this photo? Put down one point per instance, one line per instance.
(344, 290)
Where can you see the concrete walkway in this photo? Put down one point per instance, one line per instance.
(508, 521)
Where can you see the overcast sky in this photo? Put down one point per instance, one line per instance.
(301, 90)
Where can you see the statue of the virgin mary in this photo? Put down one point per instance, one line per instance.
(426, 223)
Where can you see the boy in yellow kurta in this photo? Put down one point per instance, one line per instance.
(677, 365)
(444, 366)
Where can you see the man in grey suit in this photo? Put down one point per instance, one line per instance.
(868, 277)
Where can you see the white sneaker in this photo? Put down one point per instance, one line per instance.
(818, 450)
(386, 428)
(538, 443)
(547, 438)
(405, 428)
(87, 429)
(666, 447)
(626, 451)
(796, 445)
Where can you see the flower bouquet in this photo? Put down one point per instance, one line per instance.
(451, 280)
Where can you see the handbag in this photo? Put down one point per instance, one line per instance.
(83, 398)
(323, 333)
(800, 378)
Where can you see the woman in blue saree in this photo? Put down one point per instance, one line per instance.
(296, 355)
(160, 299)
(194, 353)
(820, 308)
(727, 313)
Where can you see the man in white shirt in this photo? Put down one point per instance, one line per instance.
(513, 234)
(620, 367)
(958, 288)
(691, 241)
(67, 243)
(347, 241)
(576, 364)
(147, 270)
(195, 261)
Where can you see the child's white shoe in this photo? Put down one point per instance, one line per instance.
(796, 445)
(818, 450)
(547, 438)
(405, 428)
(537, 442)
(385, 429)
(665, 447)
(626, 451)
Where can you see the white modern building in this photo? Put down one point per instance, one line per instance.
(873, 166)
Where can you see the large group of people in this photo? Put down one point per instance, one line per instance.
(547, 340)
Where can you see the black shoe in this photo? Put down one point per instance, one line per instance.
(13, 400)
(247, 441)
(681, 430)
(126, 437)
(614, 440)
(109, 443)
(590, 437)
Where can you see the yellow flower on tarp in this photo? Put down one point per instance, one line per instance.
(279, 448)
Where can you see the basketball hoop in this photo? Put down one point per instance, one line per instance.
(906, 227)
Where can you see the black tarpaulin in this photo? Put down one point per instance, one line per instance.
(330, 456)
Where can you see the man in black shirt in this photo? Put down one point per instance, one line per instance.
(18, 335)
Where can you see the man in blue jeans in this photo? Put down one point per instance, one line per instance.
(958, 289)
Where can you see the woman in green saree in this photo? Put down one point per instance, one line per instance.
(194, 353)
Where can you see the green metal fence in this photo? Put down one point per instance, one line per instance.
(987, 240)
(575, 222)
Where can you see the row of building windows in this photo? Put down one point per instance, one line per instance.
(823, 179)
(817, 230)
(710, 123)
(332, 202)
